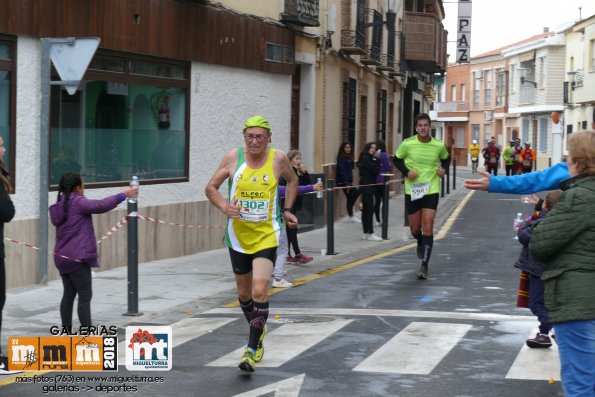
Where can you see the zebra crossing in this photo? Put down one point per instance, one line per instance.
(416, 349)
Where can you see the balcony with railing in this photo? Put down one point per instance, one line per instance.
(372, 55)
(425, 37)
(301, 12)
(451, 106)
(353, 42)
(387, 63)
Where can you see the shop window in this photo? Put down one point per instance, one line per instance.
(131, 123)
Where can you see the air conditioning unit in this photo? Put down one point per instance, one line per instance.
(488, 115)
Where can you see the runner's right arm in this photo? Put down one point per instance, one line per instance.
(223, 172)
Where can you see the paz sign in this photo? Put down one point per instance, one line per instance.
(71, 57)
(464, 32)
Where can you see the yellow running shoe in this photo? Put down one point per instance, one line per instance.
(247, 363)
(260, 347)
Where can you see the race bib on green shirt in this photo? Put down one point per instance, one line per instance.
(418, 190)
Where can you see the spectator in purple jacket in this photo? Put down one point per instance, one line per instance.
(385, 168)
(76, 241)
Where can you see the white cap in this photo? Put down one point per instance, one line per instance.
(474, 141)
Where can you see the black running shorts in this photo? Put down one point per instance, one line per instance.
(242, 263)
(428, 201)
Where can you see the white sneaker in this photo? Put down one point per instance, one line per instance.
(4, 367)
(353, 219)
(376, 223)
(373, 237)
(365, 236)
(281, 283)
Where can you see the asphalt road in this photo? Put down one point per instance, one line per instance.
(373, 329)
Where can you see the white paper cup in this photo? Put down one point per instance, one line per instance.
(323, 251)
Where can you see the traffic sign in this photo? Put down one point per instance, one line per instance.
(71, 57)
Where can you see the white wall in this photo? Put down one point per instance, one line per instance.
(221, 99)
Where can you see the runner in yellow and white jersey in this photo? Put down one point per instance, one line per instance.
(253, 227)
(423, 160)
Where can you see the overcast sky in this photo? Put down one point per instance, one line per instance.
(497, 23)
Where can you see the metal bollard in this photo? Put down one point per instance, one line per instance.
(454, 174)
(330, 217)
(405, 215)
(385, 199)
(132, 228)
(442, 187)
(448, 180)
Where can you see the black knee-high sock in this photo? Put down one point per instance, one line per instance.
(427, 244)
(247, 308)
(418, 238)
(258, 319)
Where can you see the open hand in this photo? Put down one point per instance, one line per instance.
(482, 183)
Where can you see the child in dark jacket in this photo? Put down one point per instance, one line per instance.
(76, 242)
(528, 264)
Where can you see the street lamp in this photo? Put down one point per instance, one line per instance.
(523, 73)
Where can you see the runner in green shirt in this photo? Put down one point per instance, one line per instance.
(508, 156)
(423, 160)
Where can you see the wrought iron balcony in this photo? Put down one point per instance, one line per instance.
(387, 63)
(352, 42)
(372, 55)
(400, 70)
(301, 12)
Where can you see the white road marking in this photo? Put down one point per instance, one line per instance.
(417, 349)
(536, 364)
(382, 313)
(285, 388)
(286, 342)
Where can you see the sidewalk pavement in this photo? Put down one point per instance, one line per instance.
(173, 289)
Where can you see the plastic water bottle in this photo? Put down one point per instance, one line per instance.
(319, 193)
(134, 183)
(516, 225)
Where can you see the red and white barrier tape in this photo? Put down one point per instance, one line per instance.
(123, 221)
(40, 249)
(114, 229)
(147, 218)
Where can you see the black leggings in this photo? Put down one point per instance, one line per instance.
(368, 213)
(292, 241)
(77, 282)
(378, 199)
(2, 290)
(351, 197)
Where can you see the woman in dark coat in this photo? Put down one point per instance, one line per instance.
(564, 240)
(6, 215)
(369, 166)
(345, 179)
